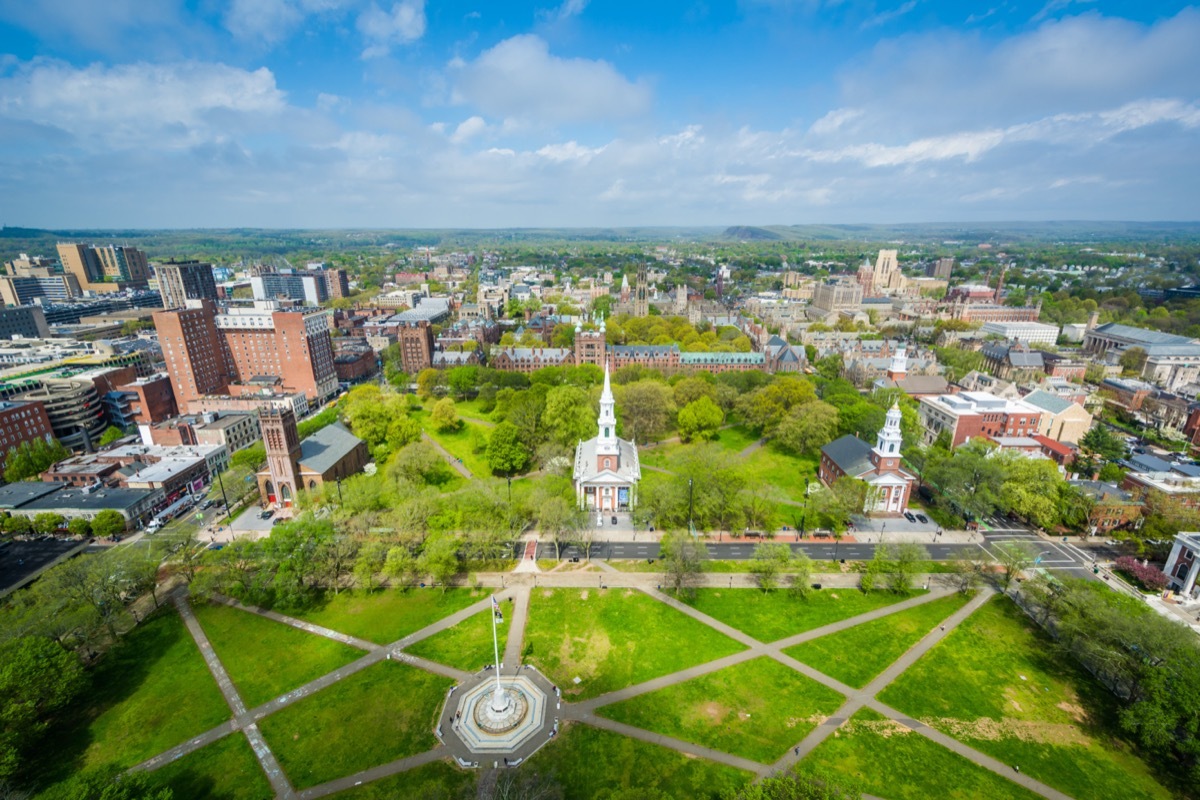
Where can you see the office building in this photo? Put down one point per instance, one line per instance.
(23, 322)
(310, 289)
(109, 268)
(969, 414)
(180, 281)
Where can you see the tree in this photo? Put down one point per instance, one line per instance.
(17, 524)
(1133, 361)
(646, 408)
(561, 520)
(683, 558)
(836, 505)
(440, 561)
(1102, 443)
(419, 464)
(701, 419)
(79, 527)
(429, 381)
(110, 435)
(445, 416)
(37, 679)
(1015, 558)
(800, 579)
(877, 567)
(109, 783)
(32, 458)
(966, 574)
(48, 522)
(506, 454)
(107, 523)
(568, 416)
(400, 565)
(808, 427)
(908, 557)
(770, 559)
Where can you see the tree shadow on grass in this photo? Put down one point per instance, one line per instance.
(114, 679)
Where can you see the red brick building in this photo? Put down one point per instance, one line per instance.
(20, 423)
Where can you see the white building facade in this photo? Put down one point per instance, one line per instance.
(606, 470)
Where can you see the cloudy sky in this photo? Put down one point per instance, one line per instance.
(374, 113)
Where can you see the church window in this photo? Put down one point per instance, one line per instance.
(606, 433)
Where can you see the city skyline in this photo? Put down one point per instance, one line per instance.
(342, 113)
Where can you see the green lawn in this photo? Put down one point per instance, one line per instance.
(891, 761)
(385, 712)
(591, 763)
(266, 659)
(437, 781)
(385, 615)
(613, 638)
(468, 645)
(150, 693)
(997, 684)
(729, 711)
(472, 410)
(223, 770)
(856, 655)
(770, 616)
(460, 443)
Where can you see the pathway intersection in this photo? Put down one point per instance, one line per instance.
(246, 720)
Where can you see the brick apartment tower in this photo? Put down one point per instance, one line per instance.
(337, 283)
(194, 352)
(282, 440)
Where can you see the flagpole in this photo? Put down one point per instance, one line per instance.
(496, 647)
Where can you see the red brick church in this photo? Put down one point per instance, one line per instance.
(889, 484)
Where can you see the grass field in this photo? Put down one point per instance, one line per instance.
(764, 466)
(613, 638)
(430, 782)
(893, 762)
(266, 659)
(385, 615)
(729, 711)
(770, 616)
(150, 693)
(223, 770)
(460, 443)
(856, 655)
(997, 684)
(591, 763)
(468, 645)
(385, 712)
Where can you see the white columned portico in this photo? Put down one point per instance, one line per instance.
(1189, 583)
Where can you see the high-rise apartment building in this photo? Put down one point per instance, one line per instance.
(311, 289)
(180, 281)
(110, 268)
(941, 269)
(337, 283)
(193, 351)
(208, 353)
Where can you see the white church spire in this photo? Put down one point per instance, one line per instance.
(606, 442)
(889, 441)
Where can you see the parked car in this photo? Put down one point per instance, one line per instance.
(922, 518)
(267, 514)
(614, 519)
(908, 516)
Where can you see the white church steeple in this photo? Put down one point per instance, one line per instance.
(886, 455)
(606, 442)
(899, 366)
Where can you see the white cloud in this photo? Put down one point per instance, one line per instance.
(133, 104)
(469, 129)
(569, 151)
(273, 20)
(834, 120)
(568, 9)
(519, 78)
(884, 17)
(382, 30)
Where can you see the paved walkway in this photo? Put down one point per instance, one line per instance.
(583, 712)
(452, 459)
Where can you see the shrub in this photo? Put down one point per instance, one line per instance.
(1148, 577)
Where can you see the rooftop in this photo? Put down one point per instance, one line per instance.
(325, 448)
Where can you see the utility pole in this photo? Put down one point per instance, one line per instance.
(221, 483)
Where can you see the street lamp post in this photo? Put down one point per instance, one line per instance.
(509, 476)
(691, 525)
(339, 485)
(221, 483)
(804, 514)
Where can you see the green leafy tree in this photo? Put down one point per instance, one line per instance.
(79, 527)
(907, 560)
(48, 522)
(879, 566)
(37, 680)
(645, 407)
(440, 560)
(568, 416)
(807, 428)
(445, 416)
(107, 523)
(700, 419)
(1015, 557)
(683, 557)
(110, 435)
(506, 453)
(800, 579)
(770, 560)
(32, 458)
(1101, 443)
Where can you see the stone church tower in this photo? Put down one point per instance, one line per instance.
(282, 442)
(641, 294)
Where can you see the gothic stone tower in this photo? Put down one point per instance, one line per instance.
(641, 294)
(283, 454)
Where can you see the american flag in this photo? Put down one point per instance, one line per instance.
(496, 610)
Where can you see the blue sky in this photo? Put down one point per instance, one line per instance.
(374, 113)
